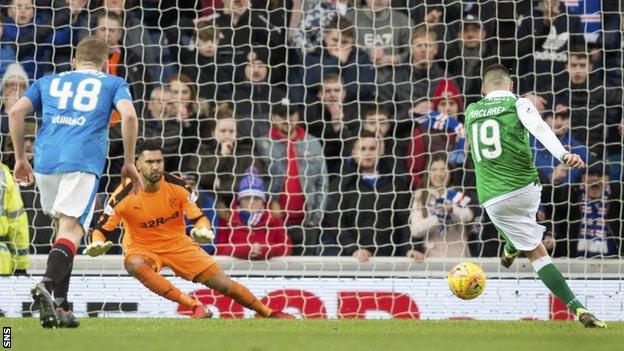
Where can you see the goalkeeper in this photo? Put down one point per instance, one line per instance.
(154, 237)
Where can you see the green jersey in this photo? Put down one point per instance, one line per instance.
(499, 145)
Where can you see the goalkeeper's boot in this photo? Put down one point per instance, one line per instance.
(507, 259)
(66, 319)
(45, 304)
(588, 319)
(201, 311)
(281, 315)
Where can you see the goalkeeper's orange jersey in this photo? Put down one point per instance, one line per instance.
(153, 221)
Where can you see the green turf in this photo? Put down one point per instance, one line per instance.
(318, 335)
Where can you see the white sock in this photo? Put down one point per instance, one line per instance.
(541, 263)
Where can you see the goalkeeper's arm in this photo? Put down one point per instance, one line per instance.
(201, 232)
(533, 122)
(97, 242)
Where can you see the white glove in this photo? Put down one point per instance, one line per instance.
(202, 235)
(97, 248)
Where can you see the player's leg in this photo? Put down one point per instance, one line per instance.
(144, 267)
(556, 283)
(515, 218)
(68, 197)
(214, 278)
(191, 262)
(510, 252)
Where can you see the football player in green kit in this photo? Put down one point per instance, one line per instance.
(497, 129)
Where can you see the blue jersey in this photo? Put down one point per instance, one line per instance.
(75, 108)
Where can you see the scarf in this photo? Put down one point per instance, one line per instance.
(593, 234)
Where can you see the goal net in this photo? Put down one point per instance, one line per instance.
(341, 121)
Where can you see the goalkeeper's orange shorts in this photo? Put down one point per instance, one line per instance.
(187, 261)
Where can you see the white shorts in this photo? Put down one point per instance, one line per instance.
(70, 194)
(514, 217)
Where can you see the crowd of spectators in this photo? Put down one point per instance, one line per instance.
(334, 127)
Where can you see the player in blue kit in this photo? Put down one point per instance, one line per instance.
(70, 153)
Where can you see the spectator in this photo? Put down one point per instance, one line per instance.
(35, 47)
(309, 36)
(417, 81)
(14, 83)
(595, 109)
(7, 50)
(440, 214)
(147, 44)
(612, 41)
(159, 121)
(252, 231)
(595, 205)
(339, 55)
(294, 161)
(440, 132)
(14, 239)
(122, 62)
(548, 34)
(468, 56)
(384, 34)
(549, 168)
(198, 59)
(242, 28)
(222, 160)
(190, 111)
(616, 158)
(368, 209)
(376, 119)
(333, 120)
(254, 95)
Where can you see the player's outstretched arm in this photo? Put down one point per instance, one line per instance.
(22, 172)
(533, 122)
(129, 131)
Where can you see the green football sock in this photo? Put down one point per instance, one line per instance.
(554, 280)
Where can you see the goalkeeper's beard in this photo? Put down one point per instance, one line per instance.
(153, 177)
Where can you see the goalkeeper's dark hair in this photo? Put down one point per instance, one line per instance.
(148, 145)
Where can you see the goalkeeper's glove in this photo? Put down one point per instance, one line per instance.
(97, 248)
(202, 235)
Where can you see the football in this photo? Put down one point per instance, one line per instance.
(466, 280)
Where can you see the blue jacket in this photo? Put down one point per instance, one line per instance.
(207, 204)
(39, 62)
(546, 162)
(7, 57)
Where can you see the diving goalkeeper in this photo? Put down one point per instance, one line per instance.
(153, 220)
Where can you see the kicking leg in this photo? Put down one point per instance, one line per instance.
(554, 280)
(216, 279)
(59, 266)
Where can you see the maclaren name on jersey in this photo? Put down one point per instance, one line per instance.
(153, 223)
(492, 111)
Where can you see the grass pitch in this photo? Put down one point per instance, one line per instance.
(318, 335)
